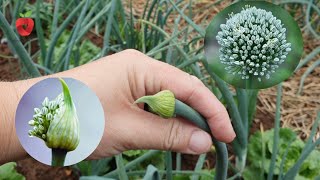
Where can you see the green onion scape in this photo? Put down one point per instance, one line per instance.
(57, 124)
(165, 105)
(253, 44)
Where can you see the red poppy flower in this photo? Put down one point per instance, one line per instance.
(24, 26)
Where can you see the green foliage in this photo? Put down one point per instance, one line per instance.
(152, 173)
(93, 167)
(133, 153)
(8, 172)
(309, 170)
(86, 51)
(157, 160)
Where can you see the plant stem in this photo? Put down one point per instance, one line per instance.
(169, 165)
(186, 172)
(199, 166)
(178, 161)
(276, 133)
(241, 139)
(193, 116)
(134, 162)
(58, 157)
(121, 169)
(242, 95)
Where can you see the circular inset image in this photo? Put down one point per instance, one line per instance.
(59, 121)
(253, 44)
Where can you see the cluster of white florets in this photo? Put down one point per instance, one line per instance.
(43, 116)
(253, 43)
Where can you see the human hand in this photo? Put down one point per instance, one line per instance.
(120, 79)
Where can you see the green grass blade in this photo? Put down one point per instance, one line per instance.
(18, 47)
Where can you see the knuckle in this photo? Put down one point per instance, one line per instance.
(196, 84)
(173, 137)
(133, 52)
(196, 81)
(221, 123)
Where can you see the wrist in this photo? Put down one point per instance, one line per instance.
(10, 148)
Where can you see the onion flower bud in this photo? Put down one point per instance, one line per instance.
(57, 124)
(63, 132)
(162, 103)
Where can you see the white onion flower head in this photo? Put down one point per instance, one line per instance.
(253, 45)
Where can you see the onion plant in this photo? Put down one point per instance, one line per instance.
(252, 45)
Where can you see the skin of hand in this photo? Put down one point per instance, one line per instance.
(118, 80)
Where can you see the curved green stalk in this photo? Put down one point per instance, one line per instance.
(58, 157)
(185, 111)
(165, 105)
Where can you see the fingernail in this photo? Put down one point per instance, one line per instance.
(200, 142)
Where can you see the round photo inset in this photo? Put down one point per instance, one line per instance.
(59, 121)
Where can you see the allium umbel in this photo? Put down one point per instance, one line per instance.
(253, 43)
